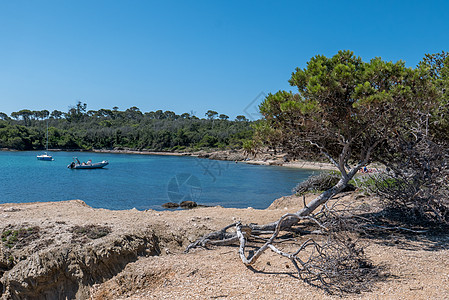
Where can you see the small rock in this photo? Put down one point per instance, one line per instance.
(11, 209)
(170, 205)
(188, 204)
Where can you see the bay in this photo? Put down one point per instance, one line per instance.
(143, 181)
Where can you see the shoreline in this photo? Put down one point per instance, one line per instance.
(227, 155)
(91, 253)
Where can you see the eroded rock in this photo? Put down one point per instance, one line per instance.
(170, 205)
(69, 272)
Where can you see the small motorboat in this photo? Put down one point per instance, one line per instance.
(76, 164)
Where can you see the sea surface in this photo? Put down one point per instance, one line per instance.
(143, 181)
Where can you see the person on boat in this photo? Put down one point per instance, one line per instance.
(89, 162)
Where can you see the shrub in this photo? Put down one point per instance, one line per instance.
(315, 183)
(91, 231)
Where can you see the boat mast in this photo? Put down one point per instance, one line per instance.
(46, 145)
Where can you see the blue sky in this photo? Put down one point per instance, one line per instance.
(192, 56)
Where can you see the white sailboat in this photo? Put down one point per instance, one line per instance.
(45, 156)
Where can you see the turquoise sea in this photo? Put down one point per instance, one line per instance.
(142, 181)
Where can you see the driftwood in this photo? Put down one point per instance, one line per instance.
(222, 237)
(319, 258)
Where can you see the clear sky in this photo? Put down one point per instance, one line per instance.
(192, 56)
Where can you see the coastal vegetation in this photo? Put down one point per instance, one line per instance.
(79, 128)
(90, 231)
(353, 113)
(19, 237)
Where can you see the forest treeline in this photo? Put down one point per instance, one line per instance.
(79, 128)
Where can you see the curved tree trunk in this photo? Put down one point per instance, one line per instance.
(243, 232)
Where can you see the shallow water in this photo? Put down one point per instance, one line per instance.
(142, 181)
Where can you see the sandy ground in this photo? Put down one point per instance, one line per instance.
(415, 267)
(299, 164)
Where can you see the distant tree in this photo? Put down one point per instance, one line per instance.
(81, 107)
(159, 114)
(15, 115)
(3, 116)
(56, 114)
(115, 112)
(133, 113)
(170, 115)
(211, 114)
(185, 116)
(105, 113)
(77, 112)
(25, 114)
(44, 114)
(223, 117)
(150, 115)
(35, 115)
(134, 108)
(91, 113)
(241, 118)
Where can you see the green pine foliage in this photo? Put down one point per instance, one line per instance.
(112, 129)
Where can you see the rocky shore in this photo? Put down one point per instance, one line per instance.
(69, 250)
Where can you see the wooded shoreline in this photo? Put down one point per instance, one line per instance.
(228, 155)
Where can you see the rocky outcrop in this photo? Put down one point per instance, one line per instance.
(232, 155)
(60, 250)
(69, 272)
(170, 205)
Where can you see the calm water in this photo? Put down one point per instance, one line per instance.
(142, 181)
